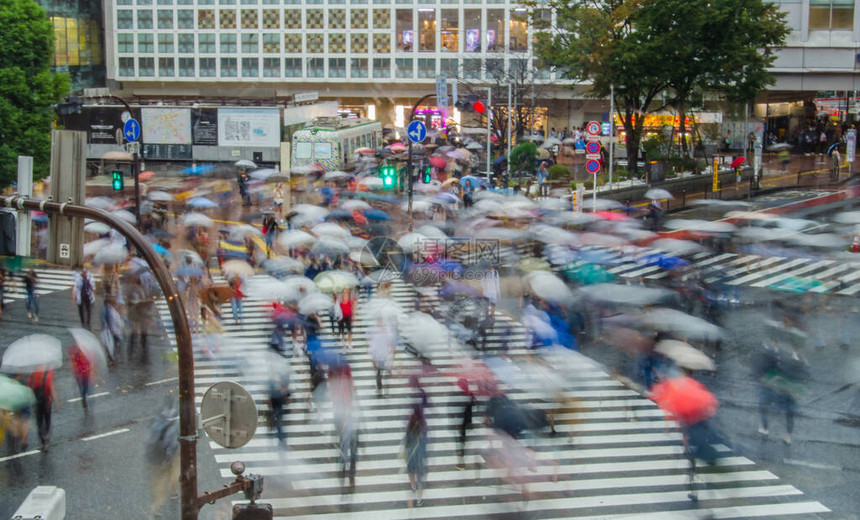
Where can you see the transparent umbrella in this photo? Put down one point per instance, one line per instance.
(330, 229)
(239, 268)
(682, 324)
(335, 281)
(99, 228)
(625, 294)
(549, 287)
(295, 238)
(31, 352)
(685, 355)
(91, 347)
(111, 254)
(91, 248)
(314, 303)
(196, 219)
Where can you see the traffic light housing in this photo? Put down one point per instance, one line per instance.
(427, 175)
(117, 180)
(388, 174)
(471, 104)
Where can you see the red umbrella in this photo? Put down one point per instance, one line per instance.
(398, 147)
(737, 162)
(145, 176)
(611, 215)
(438, 162)
(686, 399)
(475, 379)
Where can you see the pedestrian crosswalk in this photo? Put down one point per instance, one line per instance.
(821, 275)
(49, 280)
(615, 455)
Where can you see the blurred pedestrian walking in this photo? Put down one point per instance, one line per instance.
(346, 305)
(237, 298)
(30, 278)
(415, 451)
(279, 396)
(42, 384)
(381, 343)
(83, 293)
(161, 447)
(84, 372)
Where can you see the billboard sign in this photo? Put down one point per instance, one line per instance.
(204, 126)
(166, 125)
(249, 127)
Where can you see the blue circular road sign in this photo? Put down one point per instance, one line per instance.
(592, 147)
(416, 131)
(131, 130)
(593, 166)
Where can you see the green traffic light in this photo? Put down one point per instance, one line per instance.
(117, 180)
(428, 176)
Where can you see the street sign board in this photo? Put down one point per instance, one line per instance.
(850, 145)
(228, 414)
(64, 251)
(593, 166)
(131, 130)
(716, 182)
(454, 98)
(592, 128)
(442, 95)
(592, 156)
(304, 97)
(592, 147)
(605, 128)
(416, 131)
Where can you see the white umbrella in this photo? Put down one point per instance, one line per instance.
(705, 226)
(239, 268)
(475, 146)
(111, 254)
(372, 182)
(379, 307)
(569, 140)
(330, 246)
(601, 204)
(487, 205)
(549, 287)
(160, 196)
(549, 143)
(316, 302)
(330, 229)
(554, 204)
(196, 219)
(691, 327)
(553, 235)
(822, 240)
(126, 215)
(409, 242)
(487, 194)
(31, 352)
(430, 187)
(99, 228)
(335, 281)
(295, 238)
(245, 163)
(678, 247)
(658, 194)
(305, 170)
(684, 355)
(336, 175)
(91, 248)
(104, 203)
(534, 137)
(355, 243)
(420, 206)
(283, 264)
(238, 233)
(625, 294)
(309, 210)
(424, 332)
(848, 217)
(268, 288)
(355, 205)
(91, 347)
(431, 232)
(262, 173)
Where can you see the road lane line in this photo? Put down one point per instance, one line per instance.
(76, 399)
(169, 379)
(19, 455)
(101, 435)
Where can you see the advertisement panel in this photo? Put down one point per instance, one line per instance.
(166, 125)
(204, 126)
(101, 123)
(249, 127)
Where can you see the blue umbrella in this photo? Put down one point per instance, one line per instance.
(376, 214)
(449, 265)
(376, 196)
(160, 249)
(339, 214)
(476, 181)
(41, 218)
(190, 271)
(198, 169)
(500, 160)
(201, 203)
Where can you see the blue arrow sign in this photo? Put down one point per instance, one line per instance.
(131, 130)
(416, 131)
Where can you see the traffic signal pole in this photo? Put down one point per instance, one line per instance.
(135, 161)
(409, 172)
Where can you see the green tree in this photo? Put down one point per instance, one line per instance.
(28, 90)
(652, 48)
(523, 158)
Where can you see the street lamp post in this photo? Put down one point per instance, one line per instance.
(489, 115)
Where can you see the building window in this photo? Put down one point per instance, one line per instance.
(403, 68)
(519, 40)
(124, 2)
(227, 18)
(337, 42)
(144, 43)
(228, 67)
(166, 68)
(381, 18)
(293, 67)
(836, 15)
(146, 66)
(249, 2)
(271, 67)
(165, 19)
(271, 44)
(250, 44)
(316, 44)
(316, 67)
(126, 67)
(337, 67)
(125, 42)
(144, 19)
(206, 2)
(292, 19)
(206, 43)
(227, 2)
(186, 67)
(228, 43)
(448, 68)
(381, 2)
(338, 2)
(165, 44)
(426, 68)
(358, 18)
(165, 2)
(359, 43)
(206, 19)
(250, 67)
(185, 19)
(207, 67)
(496, 39)
(358, 68)
(124, 19)
(250, 19)
(315, 19)
(337, 19)
(185, 2)
(382, 43)
(450, 30)
(186, 44)
(271, 19)
(293, 43)
(144, 2)
(427, 30)
(381, 67)
(405, 31)
(472, 69)
(495, 69)
(472, 24)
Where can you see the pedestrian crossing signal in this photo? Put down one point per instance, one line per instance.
(427, 176)
(389, 177)
(117, 181)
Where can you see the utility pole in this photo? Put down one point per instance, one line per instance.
(489, 116)
(509, 121)
(611, 129)
(136, 157)
(409, 175)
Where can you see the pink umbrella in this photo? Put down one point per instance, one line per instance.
(611, 215)
(145, 176)
(398, 147)
(438, 162)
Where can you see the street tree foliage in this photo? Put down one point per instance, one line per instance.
(661, 52)
(28, 90)
(523, 157)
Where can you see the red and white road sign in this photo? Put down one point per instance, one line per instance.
(592, 147)
(593, 166)
(592, 156)
(592, 128)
